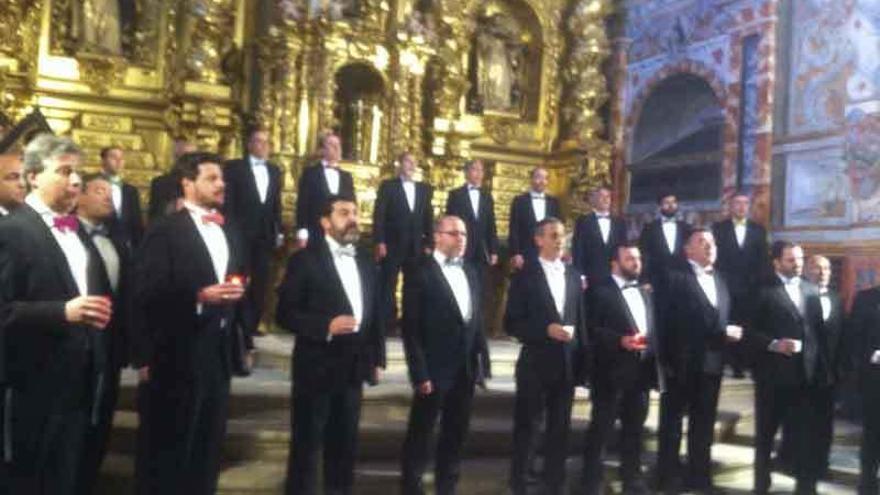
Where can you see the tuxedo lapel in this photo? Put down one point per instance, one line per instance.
(205, 267)
(447, 289)
(621, 301)
(544, 288)
(697, 289)
(723, 299)
(366, 287)
(782, 294)
(52, 249)
(251, 179)
(325, 259)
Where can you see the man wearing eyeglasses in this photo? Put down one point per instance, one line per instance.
(446, 354)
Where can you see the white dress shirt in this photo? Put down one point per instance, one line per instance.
(116, 196)
(454, 274)
(739, 230)
(331, 175)
(670, 232)
(604, 221)
(261, 177)
(74, 251)
(107, 251)
(539, 205)
(707, 283)
(636, 304)
(347, 269)
(554, 272)
(214, 238)
(474, 195)
(793, 289)
(409, 190)
(826, 304)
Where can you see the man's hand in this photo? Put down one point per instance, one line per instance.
(249, 358)
(342, 324)
(556, 332)
(734, 333)
(94, 311)
(784, 346)
(633, 343)
(380, 252)
(517, 262)
(426, 388)
(377, 374)
(144, 374)
(493, 259)
(302, 243)
(225, 293)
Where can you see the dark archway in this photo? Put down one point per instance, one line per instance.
(677, 142)
(359, 95)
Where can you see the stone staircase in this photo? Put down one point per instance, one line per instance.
(258, 433)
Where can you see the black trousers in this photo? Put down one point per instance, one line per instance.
(188, 425)
(821, 428)
(325, 419)
(46, 447)
(4, 466)
(534, 398)
(775, 405)
(144, 475)
(870, 450)
(454, 407)
(391, 267)
(261, 254)
(98, 434)
(611, 402)
(695, 394)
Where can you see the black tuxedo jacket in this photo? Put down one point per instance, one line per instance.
(610, 319)
(164, 191)
(864, 333)
(437, 340)
(182, 346)
(522, 223)
(312, 193)
(834, 344)
(310, 296)
(745, 267)
(117, 335)
(694, 332)
(658, 261)
(530, 309)
(406, 232)
(41, 353)
(482, 239)
(591, 254)
(259, 222)
(777, 317)
(129, 223)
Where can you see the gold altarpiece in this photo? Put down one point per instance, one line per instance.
(517, 83)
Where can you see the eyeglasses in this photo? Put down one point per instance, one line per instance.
(454, 233)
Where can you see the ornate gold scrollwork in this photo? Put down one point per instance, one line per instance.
(101, 72)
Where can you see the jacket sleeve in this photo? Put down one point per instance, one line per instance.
(379, 214)
(514, 241)
(491, 226)
(303, 200)
(604, 339)
(577, 247)
(519, 320)
(294, 312)
(413, 345)
(428, 217)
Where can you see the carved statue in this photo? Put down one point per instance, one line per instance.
(97, 26)
(500, 60)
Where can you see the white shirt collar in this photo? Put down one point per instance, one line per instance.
(556, 264)
(701, 270)
(537, 195)
(796, 281)
(257, 162)
(442, 258)
(620, 281)
(326, 165)
(196, 209)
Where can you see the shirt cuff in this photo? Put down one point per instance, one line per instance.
(302, 234)
(875, 357)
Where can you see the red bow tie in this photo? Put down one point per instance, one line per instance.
(214, 217)
(66, 223)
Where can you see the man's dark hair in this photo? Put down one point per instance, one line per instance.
(615, 254)
(779, 247)
(741, 192)
(187, 166)
(695, 231)
(91, 176)
(665, 194)
(254, 130)
(330, 202)
(539, 228)
(108, 149)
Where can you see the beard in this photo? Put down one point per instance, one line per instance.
(669, 213)
(629, 275)
(349, 235)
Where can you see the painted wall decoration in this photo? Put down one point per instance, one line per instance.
(863, 164)
(817, 189)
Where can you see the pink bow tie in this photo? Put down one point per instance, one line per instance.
(66, 223)
(215, 218)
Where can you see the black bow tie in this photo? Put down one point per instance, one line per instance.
(454, 262)
(101, 230)
(630, 285)
(603, 215)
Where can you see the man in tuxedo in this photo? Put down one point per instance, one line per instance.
(596, 235)
(12, 188)
(743, 260)
(329, 301)
(94, 209)
(545, 312)
(165, 192)
(195, 330)
(476, 208)
(791, 362)
(446, 354)
(319, 181)
(526, 211)
(622, 326)
(53, 305)
(253, 201)
(697, 327)
(401, 226)
(865, 330)
(662, 242)
(128, 221)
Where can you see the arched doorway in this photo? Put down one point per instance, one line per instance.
(359, 111)
(677, 143)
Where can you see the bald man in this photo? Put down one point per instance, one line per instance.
(12, 189)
